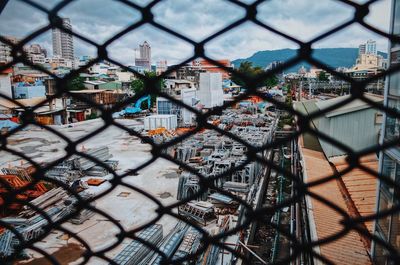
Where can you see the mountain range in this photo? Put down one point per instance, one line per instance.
(333, 57)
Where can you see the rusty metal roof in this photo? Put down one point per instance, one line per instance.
(325, 221)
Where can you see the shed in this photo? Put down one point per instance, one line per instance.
(356, 124)
(153, 122)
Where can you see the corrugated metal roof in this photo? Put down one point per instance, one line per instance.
(354, 105)
(87, 91)
(95, 82)
(220, 197)
(360, 185)
(347, 249)
(306, 107)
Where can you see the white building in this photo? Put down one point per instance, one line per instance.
(153, 122)
(63, 45)
(174, 86)
(57, 61)
(124, 76)
(5, 50)
(185, 117)
(99, 68)
(5, 83)
(368, 48)
(210, 91)
(144, 59)
(189, 98)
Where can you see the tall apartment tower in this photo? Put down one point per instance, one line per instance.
(361, 49)
(388, 227)
(144, 59)
(370, 47)
(63, 45)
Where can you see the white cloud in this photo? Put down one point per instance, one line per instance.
(101, 19)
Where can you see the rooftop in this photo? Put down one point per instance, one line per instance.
(97, 82)
(360, 185)
(6, 71)
(354, 105)
(24, 102)
(325, 221)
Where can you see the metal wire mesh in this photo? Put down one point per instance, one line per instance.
(305, 53)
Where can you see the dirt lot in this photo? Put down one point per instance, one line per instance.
(64, 255)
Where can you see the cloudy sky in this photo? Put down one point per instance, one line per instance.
(99, 20)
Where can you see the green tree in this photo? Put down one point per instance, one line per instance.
(249, 71)
(138, 85)
(271, 81)
(76, 84)
(322, 76)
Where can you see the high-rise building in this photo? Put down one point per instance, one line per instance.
(145, 51)
(368, 48)
(5, 50)
(144, 59)
(361, 49)
(63, 45)
(388, 227)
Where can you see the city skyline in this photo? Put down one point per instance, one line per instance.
(197, 25)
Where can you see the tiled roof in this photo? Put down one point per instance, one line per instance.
(325, 221)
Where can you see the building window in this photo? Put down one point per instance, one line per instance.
(394, 85)
(378, 118)
(386, 194)
(388, 227)
(392, 130)
(396, 22)
(395, 56)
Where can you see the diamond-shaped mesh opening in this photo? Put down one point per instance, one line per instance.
(289, 17)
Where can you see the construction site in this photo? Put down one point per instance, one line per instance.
(224, 179)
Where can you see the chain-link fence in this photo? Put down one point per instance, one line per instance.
(259, 153)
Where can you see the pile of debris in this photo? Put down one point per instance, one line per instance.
(181, 241)
(135, 252)
(213, 154)
(56, 204)
(77, 166)
(199, 211)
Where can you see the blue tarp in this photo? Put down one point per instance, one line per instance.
(8, 124)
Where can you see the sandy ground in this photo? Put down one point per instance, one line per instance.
(132, 210)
